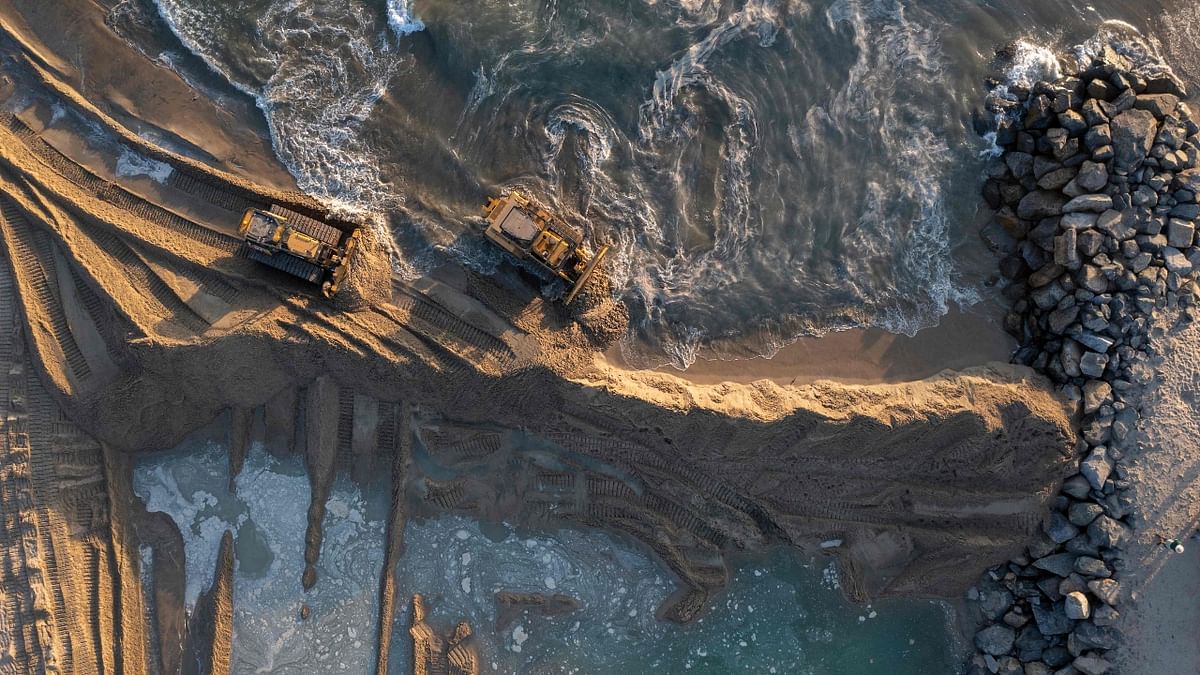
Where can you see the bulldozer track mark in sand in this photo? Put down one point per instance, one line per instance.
(345, 427)
(184, 181)
(474, 448)
(119, 196)
(146, 278)
(31, 256)
(453, 327)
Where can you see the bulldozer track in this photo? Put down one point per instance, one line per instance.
(41, 278)
(310, 226)
(456, 329)
(146, 278)
(285, 263)
(117, 195)
(345, 427)
(207, 191)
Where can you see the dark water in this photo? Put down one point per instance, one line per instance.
(765, 169)
(780, 614)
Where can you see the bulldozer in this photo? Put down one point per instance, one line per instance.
(301, 246)
(525, 229)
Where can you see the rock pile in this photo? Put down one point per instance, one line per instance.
(1095, 198)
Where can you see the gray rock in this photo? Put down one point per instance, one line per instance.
(1096, 468)
(1078, 220)
(1057, 657)
(1159, 105)
(1094, 342)
(1090, 241)
(1180, 233)
(1095, 394)
(1019, 163)
(1115, 224)
(1069, 357)
(1092, 567)
(1066, 249)
(1105, 615)
(1040, 204)
(1076, 606)
(1092, 278)
(1091, 636)
(1055, 180)
(996, 640)
(1015, 618)
(1089, 203)
(1082, 514)
(1188, 180)
(1093, 114)
(1060, 319)
(1073, 122)
(1107, 532)
(1037, 668)
(1058, 528)
(1077, 486)
(1108, 590)
(1091, 665)
(1124, 101)
(1092, 176)
(1048, 296)
(1092, 364)
(1059, 564)
(1175, 261)
(1043, 165)
(1045, 274)
(1098, 137)
(1052, 620)
(995, 603)
(1103, 153)
(1133, 133)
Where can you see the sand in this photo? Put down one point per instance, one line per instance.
(138, 323)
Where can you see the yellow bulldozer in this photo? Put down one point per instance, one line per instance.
(520, 226)
(299, 245)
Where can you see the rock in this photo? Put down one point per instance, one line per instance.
(1091, 636)
(1093, 114)
(1187, 180)
(1090, 240)
(1098, 203)
(1015, 618)
(997, 239)
(1056, 657)
(995, 603)
(1066, 249)
(1106, 532)
(1051, 621)
(1105, 615)
(1036, 668)
(1040, 113)
(1091, 665)
(1060, 319)
(1019, 163)
(1069, 357)
(1175, 261)
(1095, 342)
(1096, 468)
(1159, 105)
(1059, 564)
(1058, 528)
(1099, 136)
(1048, 296)
(1056, 179)
(1046, 274)
(1044, 165)
(1082, 514)
(1165, 83)
(1133, 135)
(1180, 233)
(1103, 153)
(1092, 567)
(1040, 204)
(1095, 394)
(1076, 606)
(1101, 90)
(1093, 364)
(1073, 122)
(1092, 176)
(1077, 486)
(996, 640)
(1093, 279)
(1108, 590)
(1115, 224)
(1078, 220)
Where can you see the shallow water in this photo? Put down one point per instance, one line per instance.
(780, 614)
(764, 169)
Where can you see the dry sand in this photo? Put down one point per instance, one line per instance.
(143, 324)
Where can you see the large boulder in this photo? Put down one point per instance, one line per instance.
(996, 639)
(1040, 204)
(1133, 133)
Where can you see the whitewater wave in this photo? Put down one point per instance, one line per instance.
(401, 18)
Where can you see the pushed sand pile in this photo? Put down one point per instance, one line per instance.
(145, 324)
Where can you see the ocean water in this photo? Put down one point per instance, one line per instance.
(781, 614)
(764, 169)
